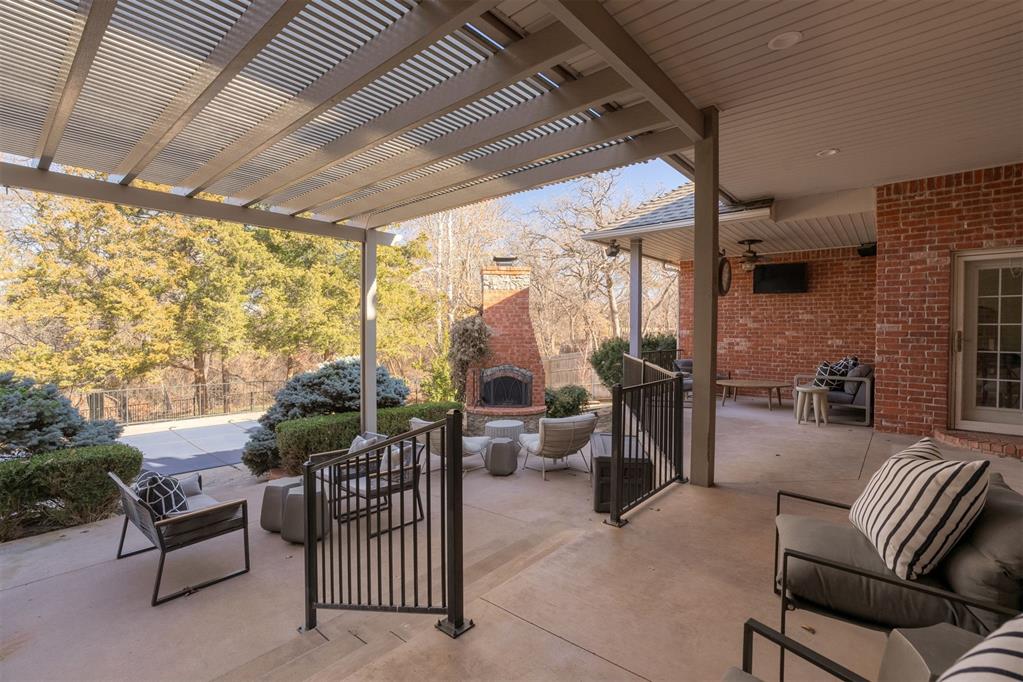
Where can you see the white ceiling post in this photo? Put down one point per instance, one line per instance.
(636, 297)
(705, 303)
(368, 314)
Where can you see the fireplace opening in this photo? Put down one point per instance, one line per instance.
(506, 386)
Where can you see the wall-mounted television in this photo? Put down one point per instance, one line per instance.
(780, 278)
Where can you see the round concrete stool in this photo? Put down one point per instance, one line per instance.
(815, 397)
(504, 457)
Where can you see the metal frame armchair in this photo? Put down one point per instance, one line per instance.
(754, 627)
(867, 390)
(180, 531)
(559, 438)
(383, 480)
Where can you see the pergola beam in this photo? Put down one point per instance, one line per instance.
(426, 24)
(36, 180)
(605, 36)
(642, 148)
(515, 63)
(263, 20)
(571, 98)
(84, 49)
(612, 126)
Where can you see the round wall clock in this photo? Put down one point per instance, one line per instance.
(724, 275)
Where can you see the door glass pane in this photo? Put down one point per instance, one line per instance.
(987, 282)
(1012, 309)
(1012, 281)
(1011, 337)
(1009, 394)
(987, 394)
(987, 365)
(987, 310)
(1009, 366)
(987, 337)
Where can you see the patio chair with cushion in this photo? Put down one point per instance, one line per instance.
(910, 655)
(558, 439)
(472, 446)
(855, 391)
(832, 568)
(204, 518)
(398, 471)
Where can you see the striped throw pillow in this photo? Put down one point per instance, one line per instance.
(996, 658)
(917, 506)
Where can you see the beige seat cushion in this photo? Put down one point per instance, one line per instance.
(531, 442)
(475, 445)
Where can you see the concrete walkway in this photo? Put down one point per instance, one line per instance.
(176, 447)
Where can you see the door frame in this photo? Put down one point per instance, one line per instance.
(956, 420)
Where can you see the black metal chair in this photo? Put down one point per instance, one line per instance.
(391, 470)
(208, 519)
(785, 643)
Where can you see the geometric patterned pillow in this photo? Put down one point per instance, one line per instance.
(917, 506)
(997, 657)
(163, 494)
(829, 374)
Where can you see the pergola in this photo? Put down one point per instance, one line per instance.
(339, 117)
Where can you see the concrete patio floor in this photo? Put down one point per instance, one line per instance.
(554, 592)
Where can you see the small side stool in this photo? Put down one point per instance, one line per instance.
(815, 397)
(504, 457)
(271, 514)
(293, 524)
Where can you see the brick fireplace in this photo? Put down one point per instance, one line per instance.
(510, 384)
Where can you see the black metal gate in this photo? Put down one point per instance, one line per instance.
(646, 441)
(389, 534)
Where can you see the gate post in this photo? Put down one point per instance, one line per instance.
(309, 548)
(678, 415)
(617, 465)
(455, 624)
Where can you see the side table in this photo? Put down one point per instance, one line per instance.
(815, 397)
(504, 457)
(504, 428)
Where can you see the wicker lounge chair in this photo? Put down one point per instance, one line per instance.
(558, 439)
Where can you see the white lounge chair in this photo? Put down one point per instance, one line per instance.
(558, 439)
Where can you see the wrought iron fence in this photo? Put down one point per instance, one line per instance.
(369, 549)
(647, 425)
(664, 359)
(159, 403)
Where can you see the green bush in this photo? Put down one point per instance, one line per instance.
(62, 488)
(606, 360)
(566, 401)
(297, 439)
(331, 388)
(36, 418)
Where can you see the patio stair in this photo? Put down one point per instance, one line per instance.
(347, 642)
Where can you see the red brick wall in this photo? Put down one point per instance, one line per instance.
(920, 225)
(776, 336)
(513, 341)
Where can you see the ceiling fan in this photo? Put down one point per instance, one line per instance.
(749, 257)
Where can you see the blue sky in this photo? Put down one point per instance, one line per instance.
(640, 181)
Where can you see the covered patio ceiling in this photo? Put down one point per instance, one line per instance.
(333, 116)
(326, 116)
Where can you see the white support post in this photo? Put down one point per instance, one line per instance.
(368, 290)
(705, 303)
(636, 297)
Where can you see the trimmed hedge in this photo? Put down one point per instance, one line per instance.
(297, 439)
(62, 488)
(566, 401)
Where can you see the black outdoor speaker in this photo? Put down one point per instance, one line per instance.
(867, 250)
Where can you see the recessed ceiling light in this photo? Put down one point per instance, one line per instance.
(830, 151)
(784, 41)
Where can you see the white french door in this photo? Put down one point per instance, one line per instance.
(988, 342)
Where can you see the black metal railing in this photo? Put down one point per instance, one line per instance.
(381, 533)
(158, 403)
(665, 359)
(647, 438)
(640, 371)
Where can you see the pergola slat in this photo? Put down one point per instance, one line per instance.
(615, 125)
(520, 60)
(36, 180)
(423, 26)
(260, 23)
(642, 148)
(605, 36)
(63, 105)
(572, 97)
